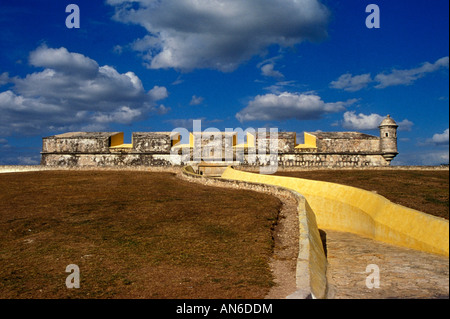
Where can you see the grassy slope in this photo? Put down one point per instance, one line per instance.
(133, 235)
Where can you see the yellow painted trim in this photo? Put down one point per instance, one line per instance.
(311, 261)
(310, 141)
(358, 211)
(117, 139)
(117, 142)
(122, 146)
(250, 141)
(178, 145)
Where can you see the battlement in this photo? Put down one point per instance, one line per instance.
(325, 149)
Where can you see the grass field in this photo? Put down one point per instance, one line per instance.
(133, 235)
(423, 190)
(152, 235)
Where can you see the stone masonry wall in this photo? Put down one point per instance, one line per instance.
(154, 142)
(349, 145)
(106, 160)
(78, 143)
(322, 160)
(154, 149)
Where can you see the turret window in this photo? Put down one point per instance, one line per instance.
(387, 134)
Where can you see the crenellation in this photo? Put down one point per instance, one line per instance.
(321, 149)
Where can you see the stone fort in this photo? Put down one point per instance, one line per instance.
(320, 149)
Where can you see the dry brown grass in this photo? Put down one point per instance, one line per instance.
(423, 190)
(133, 235)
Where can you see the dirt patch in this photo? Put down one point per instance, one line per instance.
(284, 259)
(133, 235)
(283, 262)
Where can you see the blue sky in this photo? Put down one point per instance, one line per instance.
(148, 65)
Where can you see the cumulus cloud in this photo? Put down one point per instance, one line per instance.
(441, 138)
(363, 122)
(61, 60)
(73, 91)
(287, 105)
(218, 34)
(124, 115)
(158, 93)
(351, 83)
(407, 77)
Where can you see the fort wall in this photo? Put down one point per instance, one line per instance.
(349, 209)
(102, 149)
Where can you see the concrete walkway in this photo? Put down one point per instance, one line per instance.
(403, 273)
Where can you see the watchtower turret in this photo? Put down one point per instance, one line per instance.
(388, 138)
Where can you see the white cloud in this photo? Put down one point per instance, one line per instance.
(351, 83)
(64, 61)
(353, 121)
(442, 138)
(73, 91)
(363, 122)
(124, 115)
(288, 106)
(196, 100)
(407, 77)
(268, 70)
(218, 34)
(158, 93)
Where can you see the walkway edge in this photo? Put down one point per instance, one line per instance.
(311, 279)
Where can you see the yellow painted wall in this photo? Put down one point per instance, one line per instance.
(117, 139)
(177, 140)
(354, 210)
(117, 142)
(311, 261)
(310, 141)
(250, 141)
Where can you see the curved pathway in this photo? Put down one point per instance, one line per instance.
(403, 273)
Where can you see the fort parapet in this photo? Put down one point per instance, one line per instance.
(320, 149)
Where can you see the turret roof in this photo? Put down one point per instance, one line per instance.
(388, 121)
